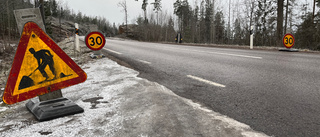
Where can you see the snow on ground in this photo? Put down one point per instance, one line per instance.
(118, 103)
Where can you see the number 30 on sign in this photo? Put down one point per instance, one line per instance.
(95, 40)
(288, 40)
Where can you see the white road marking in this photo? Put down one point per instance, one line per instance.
(146, 62)
(113, 51)
(236, 55)
(206, 81)
(221, 53)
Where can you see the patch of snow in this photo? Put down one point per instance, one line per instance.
(2, 108)
(106, 96)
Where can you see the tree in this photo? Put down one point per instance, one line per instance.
(208, 20)
(219, 27)
(308, 34)
(265, 22)
(54, 8)
(237, 31)
(279, 21)
(202, 27)
(144, 8)
(79, 17)
(288, 16)
(182, 10)
(157, 7)
(123, 5)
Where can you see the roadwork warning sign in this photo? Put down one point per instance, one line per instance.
(40, 66)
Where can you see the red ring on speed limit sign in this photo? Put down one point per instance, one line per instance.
(95, 40)
(288, 40)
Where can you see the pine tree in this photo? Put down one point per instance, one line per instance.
(219, 27)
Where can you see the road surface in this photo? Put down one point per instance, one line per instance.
(274, 92)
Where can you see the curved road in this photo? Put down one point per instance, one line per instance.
(277, 93)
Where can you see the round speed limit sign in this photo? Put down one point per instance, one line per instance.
(95, 40)
(288, 40)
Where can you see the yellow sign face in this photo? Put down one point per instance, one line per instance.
(288, 40)
(95, 40)
(41, 67)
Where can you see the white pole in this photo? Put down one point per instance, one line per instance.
(77, 39)
(251, 37)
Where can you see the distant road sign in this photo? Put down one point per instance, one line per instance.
(288, 40)
(95, 40)
(40, 66)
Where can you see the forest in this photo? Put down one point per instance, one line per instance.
(199, 22)
(204, 22)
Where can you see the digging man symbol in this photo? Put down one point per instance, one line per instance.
(44, 58)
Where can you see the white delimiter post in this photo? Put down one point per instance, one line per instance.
(251, 37)
(77, 46)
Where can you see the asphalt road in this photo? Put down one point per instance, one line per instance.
(274, 92)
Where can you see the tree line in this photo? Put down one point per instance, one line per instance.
(200, 22)
(52, 8)
(205, 22)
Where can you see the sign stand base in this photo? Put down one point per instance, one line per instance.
(289, 50)
(97, 54)
(51, 109)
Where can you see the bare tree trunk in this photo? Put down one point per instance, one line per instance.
(280, 22)
(213, 30)
(286, 20)
(314, 7)
(123, 4)
(42, 14)
(251, 13)
(9, 27)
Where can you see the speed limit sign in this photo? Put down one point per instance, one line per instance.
(288, 40)
(95, 40)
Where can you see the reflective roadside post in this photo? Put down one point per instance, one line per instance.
(251, 37)
(76, 39)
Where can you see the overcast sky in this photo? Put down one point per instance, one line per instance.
(112, 12)
(110, 9)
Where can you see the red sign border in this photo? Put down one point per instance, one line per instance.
(95, 32)
(293, 40)
(30, 27)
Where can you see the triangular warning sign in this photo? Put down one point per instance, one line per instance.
(39, 66)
